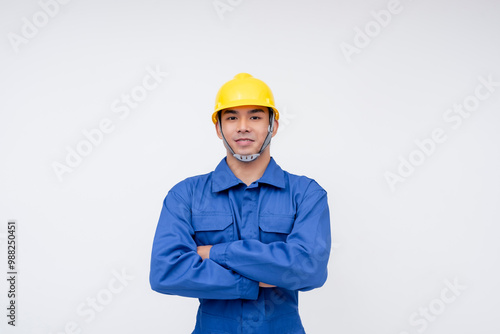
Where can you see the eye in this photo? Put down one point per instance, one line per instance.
(231, 118)
(255, 117)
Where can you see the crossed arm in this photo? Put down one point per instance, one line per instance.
(236, 270)
(204, 253)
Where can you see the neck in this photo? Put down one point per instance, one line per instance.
(249, 172)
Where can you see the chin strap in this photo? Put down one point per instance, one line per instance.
(251, 157)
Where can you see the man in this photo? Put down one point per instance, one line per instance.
(245, 238)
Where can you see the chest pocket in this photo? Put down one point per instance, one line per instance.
(275, 228)
(213, 229)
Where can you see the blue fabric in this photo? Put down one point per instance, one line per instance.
(276, 231)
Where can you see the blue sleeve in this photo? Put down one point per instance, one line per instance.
(299, 263)
(176, 267)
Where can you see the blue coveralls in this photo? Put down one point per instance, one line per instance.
(276, 231)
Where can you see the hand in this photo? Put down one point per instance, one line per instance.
(265, 285)
(204, 251)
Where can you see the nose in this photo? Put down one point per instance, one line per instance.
(243, 125)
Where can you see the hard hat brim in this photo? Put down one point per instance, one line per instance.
(242, 103)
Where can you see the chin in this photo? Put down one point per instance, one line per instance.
(246, 150)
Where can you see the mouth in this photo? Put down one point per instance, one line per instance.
(244, 141)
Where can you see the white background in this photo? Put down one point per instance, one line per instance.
(346, 122)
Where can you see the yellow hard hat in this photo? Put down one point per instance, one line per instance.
(244, 90)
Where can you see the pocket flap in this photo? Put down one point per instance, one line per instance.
(276, 224)
(211, 223)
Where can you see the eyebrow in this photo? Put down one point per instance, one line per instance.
(231, 111)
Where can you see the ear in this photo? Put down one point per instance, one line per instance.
(217, 129)
(276, 126)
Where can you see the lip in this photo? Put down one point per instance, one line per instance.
(244, 141)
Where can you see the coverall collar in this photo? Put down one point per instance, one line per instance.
(223, 177)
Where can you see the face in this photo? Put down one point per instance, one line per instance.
(245, 128)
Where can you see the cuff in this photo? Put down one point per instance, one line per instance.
(218, 254)
(249, 289)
